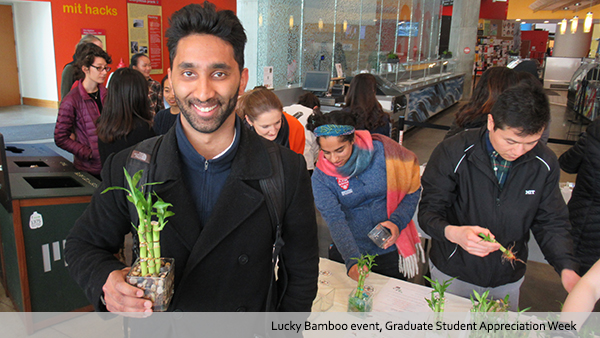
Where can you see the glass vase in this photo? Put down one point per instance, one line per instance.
(360, 301)
(158, 289)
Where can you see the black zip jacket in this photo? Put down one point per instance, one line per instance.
(460, 188)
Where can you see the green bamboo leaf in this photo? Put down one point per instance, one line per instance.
(114, 188)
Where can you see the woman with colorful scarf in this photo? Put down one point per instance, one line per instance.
(362, 180)
(263, 112)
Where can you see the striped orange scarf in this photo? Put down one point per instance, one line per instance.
(403, 178)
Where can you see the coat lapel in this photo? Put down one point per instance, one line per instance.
(185, 221)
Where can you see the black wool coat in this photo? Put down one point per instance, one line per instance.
(226, 264)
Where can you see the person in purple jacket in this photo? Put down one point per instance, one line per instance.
(75, 129)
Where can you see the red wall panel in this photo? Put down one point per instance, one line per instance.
(112, 17)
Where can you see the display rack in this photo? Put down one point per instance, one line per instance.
(584, 91)
(492, 51)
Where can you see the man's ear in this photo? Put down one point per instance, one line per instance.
(490, 123)
(243, 81)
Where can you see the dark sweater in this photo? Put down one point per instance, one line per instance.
(140, 132)
(163, 121)
(205, 178)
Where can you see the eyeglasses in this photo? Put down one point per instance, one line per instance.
(101, 69)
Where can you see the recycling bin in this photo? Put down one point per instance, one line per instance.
(42, 196)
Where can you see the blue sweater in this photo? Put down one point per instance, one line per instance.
(205, 178)
(350, 214)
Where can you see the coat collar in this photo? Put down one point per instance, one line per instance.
(250, 163)
(84, 95)
(481, 152)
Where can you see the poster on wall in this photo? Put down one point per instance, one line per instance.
(508, 28)
(493, 29)
(99, 33)
(144, 19)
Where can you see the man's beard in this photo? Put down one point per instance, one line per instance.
(203, 125)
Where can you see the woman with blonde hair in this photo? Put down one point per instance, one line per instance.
(263, 112)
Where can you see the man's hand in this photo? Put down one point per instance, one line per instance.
(395, 233)
(468, 238)
(353, 272)
(569, 278)
(122, 297)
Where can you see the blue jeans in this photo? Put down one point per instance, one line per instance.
(465, 289)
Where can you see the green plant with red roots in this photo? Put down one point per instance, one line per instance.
(507, 254)
(148, 230)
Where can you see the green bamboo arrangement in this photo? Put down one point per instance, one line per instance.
(148, 230)
(438, 297)
(363, 261)
(483, 303)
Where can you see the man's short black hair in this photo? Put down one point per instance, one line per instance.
(135, 59)
(524, 107)
(205, 19)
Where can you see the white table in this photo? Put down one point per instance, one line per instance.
(332, 275)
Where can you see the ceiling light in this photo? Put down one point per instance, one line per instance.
(587, 24)
(589, 20)
(517, 19)
(546, 21)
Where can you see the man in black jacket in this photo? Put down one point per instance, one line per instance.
(502, 182)
(221, 235)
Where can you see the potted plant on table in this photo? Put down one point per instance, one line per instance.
(438, 294)
(361, 300)
(150, 272)
(392, 57)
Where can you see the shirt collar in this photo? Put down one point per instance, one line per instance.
(490, 148)
(191, 157)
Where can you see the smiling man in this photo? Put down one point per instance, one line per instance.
(499, 181)
(221, 235)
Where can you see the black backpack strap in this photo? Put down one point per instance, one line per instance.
(274, 190)
(142, 157)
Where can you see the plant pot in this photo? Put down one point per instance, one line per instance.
(392, 60)
(158, 289)
(363, 302)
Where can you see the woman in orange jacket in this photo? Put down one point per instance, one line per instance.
(263, 112)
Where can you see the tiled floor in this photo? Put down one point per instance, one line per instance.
(541, 290)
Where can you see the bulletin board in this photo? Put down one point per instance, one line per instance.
(144, 20)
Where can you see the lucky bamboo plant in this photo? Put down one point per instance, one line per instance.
(361, 300)
(148, 230)
(438, 299)
(367, 261)
(507, 254)
(484, 303)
